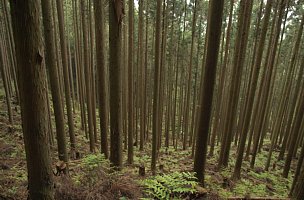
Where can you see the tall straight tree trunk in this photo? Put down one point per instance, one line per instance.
(254, 80)
(174, 141)
(92, 70)
(10, 45)
(256, 40)
(170, 80)
(142, 72)
(162, 77)
(52, 66)
(189, 83)
(32, 87)
(155, 127)
(125, 82)
(223, 78)
(65, 66)
(4, 79)
(241, 59)
(270, 63)
(207, 87)
(298, 117)
(102, 74)
(87, 75)
(234, 89)
(130, 82)
(115, 35)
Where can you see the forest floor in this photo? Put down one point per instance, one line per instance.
(91, 177)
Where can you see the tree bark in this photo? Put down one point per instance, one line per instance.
(155, 127)
(32, 87)
(55, 89)
(102, 73)
(130, 83)
(115, 35)
(87, 75)
(207, 87)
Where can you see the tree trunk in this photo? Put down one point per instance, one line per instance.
(87, 75)
(155, 127)
(102, 74)
(4, 79)
(207, 87)
(189, 83)
(130, 83)
(115, 36)
(32, 87)
(55, 89)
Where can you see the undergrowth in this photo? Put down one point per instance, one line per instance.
(176, 185)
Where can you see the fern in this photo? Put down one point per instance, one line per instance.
(170, 186)
(92, 161)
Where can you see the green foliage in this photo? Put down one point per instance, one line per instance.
(142, 159)
(242, 188)
(169, 186)
(93, 161)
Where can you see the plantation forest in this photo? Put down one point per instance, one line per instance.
(162, 99)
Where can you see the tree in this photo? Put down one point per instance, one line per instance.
(155, 126)
(207, 87)
(142, 72)
(115, 35)
(221, 87)
(234, 91)
(65, 67)
(189, 83)
(87, 75)
(130, 83)
(253, 84)
(32, 87)
(101, 68)
(5, 83)
(52, 65)
(297, 106)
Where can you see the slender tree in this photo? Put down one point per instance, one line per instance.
(207, 87)
(222, 81)
(87, 74)
(254, 79)
(130, 83)
(238, 62)
(155, 127)
(65, 67)
(189, 83)
(102, 72)
(5, 83)
(141, 72)
(116, 13)
(52, 66)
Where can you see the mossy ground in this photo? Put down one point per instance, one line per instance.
(254, 183)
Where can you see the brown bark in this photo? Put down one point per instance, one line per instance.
(207, 89)
(115, 35)
(4, 79)
(32, 87)
(87, 75)
(101, 70)
(65, 66)
(130, 83)
(52, 66)
(189, 83)
(155, 127)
